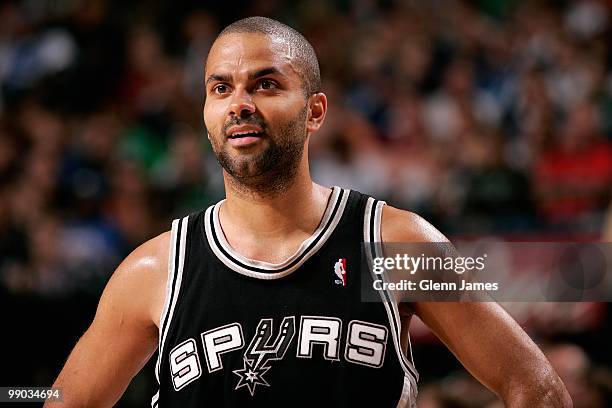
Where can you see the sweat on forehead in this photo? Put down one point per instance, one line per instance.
(298, 48)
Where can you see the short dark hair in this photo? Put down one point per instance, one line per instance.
(306, 61)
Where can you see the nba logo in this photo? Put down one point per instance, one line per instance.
(340, 271)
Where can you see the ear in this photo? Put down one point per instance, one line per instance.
(317, 108)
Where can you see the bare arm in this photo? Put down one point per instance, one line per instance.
(123, 334)
(487, 341)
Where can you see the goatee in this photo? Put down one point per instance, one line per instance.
(272, 170)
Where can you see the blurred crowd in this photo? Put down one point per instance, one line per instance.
(479, 121)
(482, 116)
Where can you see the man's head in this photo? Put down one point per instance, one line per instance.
(262, 101)
(304, 56)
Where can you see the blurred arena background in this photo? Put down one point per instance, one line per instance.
(486, 117)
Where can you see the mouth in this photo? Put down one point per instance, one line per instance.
(245, 134)
(243, 138)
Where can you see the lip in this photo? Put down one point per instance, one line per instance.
(243, 129)
(244, 141)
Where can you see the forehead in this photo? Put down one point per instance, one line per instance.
(236, 52)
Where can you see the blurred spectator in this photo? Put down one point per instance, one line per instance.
(185, 176)
(574, 175)
(492, 187)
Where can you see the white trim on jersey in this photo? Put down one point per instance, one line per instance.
(407, 399)
(265, 270)
(176, 262)
(154, 400)
(169, 285)
(372, 234)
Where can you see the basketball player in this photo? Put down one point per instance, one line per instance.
(253, 301)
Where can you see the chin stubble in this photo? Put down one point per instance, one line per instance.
(274, 169)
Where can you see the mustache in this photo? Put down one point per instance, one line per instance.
(252, 120)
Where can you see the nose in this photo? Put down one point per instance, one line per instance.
(241, 105)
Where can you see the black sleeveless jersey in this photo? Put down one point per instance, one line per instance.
(237, 332)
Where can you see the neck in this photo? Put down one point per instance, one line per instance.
(298, 207)
(270, 184)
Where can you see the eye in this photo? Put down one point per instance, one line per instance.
(220, 89)
(267, 84)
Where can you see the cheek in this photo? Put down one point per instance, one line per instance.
(281, 113)
(213, 118)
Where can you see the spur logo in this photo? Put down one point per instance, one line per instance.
(258, 353)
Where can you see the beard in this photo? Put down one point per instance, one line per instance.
(273, 169)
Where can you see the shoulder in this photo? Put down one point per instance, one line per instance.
(401, 226)
(150, 256)
(405, 226)
(138, 284)
(148, 259)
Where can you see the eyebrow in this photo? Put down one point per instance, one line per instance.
(218, 77)
(264, 72)
(253, 75)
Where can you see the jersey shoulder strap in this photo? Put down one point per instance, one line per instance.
(373, 245)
